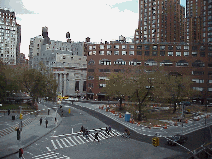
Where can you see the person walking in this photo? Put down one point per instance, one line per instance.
(46, 123)
(40, 120)
(55, 120)
(81, 130)
(107, 131)
(48, 111)
(96, 137)
(109, 128)
(86, 134)
(21, 151)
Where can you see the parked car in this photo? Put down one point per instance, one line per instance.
(177, 138)
(186, 103)
(76, 99)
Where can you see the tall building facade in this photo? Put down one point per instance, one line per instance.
(8, 37)
(199, 21)
(160, 21)
(66, 60)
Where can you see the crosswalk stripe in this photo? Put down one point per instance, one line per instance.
(86, 139)
(48, 148)
(72, 140)
(76, 140)
(81, 139)
(91, 136)
(55, 147)
(59, 143)
(64, 143)
(68, 142)
(111, 134)
(114, 133)
(101, 135)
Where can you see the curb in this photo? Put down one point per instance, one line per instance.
(28, 144)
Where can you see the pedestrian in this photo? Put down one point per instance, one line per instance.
(55, 120)
(48, 111)
(40, 120)
(96, 137)
(109, 128)
(81, 130)
(46, 123)
(8, 111)
(107, 131)
(86, 134)
(21, 151)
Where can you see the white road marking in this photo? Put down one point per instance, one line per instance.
(76, 140)
(55, 147)
(68, 142)
(48, 148)
(64, 143)
(72, 141)
(81, 139)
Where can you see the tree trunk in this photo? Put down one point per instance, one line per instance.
(174, 107)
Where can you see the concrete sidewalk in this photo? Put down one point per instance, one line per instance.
(30, 133)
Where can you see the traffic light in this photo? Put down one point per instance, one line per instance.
(21, 116)
(155, 141)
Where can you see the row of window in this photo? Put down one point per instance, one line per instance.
(110, 47)
(151, 53)
(150, 62)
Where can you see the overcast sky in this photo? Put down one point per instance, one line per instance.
(97, 19)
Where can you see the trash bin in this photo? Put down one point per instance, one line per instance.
(13, 117)
(127, 116)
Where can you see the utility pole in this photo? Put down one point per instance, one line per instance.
(182, 116)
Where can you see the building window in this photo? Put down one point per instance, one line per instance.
(146, 53)
(197, 72)
(103, 78)
(182, 63)
(209, 81)
(101, 46)
(119, 62)
(90, 77)
(162, 47)
(154, 53)
(202, 54)
(116, 52)
(166, 63)
(91, 62)
(84, 86)
(109, 52)
(186, 47)
(102, 85)
(131, 46)
(124, 52)
(198, 80)
(101, 52)
(77, 86)
(198, 88)
(147, 47)
(194, 54)
(135, 62)
(150, 62)
(198, 63)
(119, 70)
(139, 52)
(186, 53)
(104, 62)
(178, 53)
(116, 46)
(94, 47)
(178, 47)
(124, 46)
(170, 47)
(162, 53)
(104, 70)
(155, 47)
(109, 47)
(90, 70)
(131, 52)
(90, 85)
(170, 53)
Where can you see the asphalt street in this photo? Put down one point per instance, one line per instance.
(109, 146)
